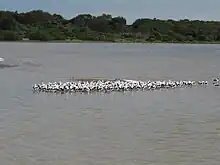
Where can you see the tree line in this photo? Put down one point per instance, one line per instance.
(44, 26)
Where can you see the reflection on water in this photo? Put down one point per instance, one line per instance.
(2, 66)
(164, 127)
(21, 63)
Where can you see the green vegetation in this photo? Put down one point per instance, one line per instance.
(42, 26)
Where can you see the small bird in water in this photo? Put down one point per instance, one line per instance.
(216, 81)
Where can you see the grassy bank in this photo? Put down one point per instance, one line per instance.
(116, 41)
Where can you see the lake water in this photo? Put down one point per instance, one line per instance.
(173, 127)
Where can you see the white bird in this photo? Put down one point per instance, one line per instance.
(1, 59)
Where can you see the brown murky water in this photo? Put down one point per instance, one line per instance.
(174, 127)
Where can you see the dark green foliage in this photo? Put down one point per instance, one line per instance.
(6, 35)
(40, 36)
(43, 26)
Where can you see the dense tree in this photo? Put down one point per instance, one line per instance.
(82, 20)
(9, 36)
(40, 35)
(44, 26)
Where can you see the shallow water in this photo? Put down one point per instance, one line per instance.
(180, 126)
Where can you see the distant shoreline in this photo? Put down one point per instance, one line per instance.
(40, 26)
(117, 42)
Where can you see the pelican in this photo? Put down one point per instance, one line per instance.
(215, 81)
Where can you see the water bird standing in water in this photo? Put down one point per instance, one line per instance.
(216, 81)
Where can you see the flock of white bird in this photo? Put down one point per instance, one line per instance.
(115, 85)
